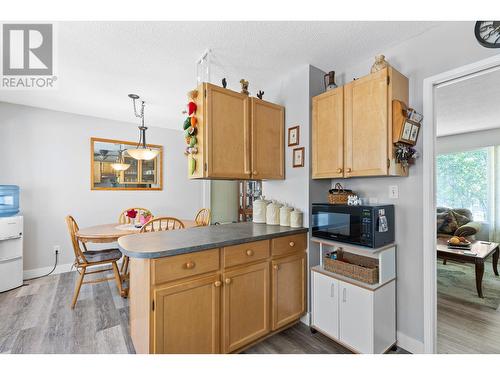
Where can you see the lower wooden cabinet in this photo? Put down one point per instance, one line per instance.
(217, 300)
(245, 311)
(187, 318)
(288, 289)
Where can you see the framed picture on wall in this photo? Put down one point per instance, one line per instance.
(293, 136)
(298, 157)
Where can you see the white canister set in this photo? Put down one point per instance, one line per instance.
(275, 213)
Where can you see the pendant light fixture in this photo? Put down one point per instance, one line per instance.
(141, 152)
(120, 164)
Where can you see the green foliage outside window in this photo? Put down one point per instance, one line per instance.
(462, 181)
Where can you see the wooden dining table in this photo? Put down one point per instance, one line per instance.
(106, 233)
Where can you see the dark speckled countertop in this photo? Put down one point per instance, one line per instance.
(175, 242)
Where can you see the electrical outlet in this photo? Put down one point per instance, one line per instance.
(394, 192)
(57, 249)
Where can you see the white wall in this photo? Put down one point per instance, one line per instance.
(467, 141)
(47, 154)
(224, 201)
(438, 50)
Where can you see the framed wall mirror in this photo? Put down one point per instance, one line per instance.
(112, 168)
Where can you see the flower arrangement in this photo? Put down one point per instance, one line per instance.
(145, 216)
(132, 214)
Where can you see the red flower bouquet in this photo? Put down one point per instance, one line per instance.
(132, 214)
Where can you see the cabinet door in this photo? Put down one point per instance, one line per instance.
(356, 317)
(289, 290)
(328, 134)
(228, 132)
(186, 317)
(245, 309)
(325, 304)
(268, 140)
(366, 126)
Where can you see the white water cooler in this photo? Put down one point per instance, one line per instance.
(11, 252)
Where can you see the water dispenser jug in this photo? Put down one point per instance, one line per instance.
(9, 200)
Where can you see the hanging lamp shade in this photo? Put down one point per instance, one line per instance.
(120, 164)
(141, 152)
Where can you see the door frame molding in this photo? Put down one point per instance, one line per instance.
(429, 198)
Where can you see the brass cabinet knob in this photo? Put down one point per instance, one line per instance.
(250, 252)
(339, 170)
(255, 173)
(190, 265)
(227, 281)
(292, 244)
(276, 267)
(348, 170)
(217, 283)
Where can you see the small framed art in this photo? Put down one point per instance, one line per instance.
(298, 157)
(293, 136)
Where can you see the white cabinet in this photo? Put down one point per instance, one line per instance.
(362, 318)
(325, 304)
(356, 316)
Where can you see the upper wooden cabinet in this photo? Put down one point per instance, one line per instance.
(268, 140)
(239, 137)
(364, 125)
(328, 134)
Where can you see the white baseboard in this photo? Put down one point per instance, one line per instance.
(37, 272)
(306, 319)
(410, 344)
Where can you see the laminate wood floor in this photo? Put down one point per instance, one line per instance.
(37, 318)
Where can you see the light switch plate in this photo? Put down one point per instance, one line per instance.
(394, 192)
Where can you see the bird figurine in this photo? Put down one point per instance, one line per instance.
(260, 94)
(224, 83)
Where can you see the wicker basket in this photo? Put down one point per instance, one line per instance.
(354, 266)
(338, 195)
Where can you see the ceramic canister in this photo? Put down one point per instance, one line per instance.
(285, 215)
(296, 218)
(259, 210)
(273, 213)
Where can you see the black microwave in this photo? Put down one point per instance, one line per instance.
(370, 226)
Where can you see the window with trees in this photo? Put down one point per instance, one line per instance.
(463, 180)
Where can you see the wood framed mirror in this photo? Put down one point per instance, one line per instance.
(112, 168)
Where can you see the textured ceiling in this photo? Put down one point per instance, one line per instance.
(99, 63)
(469, 105)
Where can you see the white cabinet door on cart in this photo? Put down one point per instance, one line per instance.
(325, 301)
(356, 317)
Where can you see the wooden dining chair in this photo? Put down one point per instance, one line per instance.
(124, 219)
(88, 258)
(161, 224)
(203, 217)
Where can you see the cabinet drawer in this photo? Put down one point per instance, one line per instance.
(245, 253)
(288, 244)
(185, 265)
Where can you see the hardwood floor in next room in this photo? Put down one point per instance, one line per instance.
(36, 318)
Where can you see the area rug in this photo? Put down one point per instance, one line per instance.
(459, 280)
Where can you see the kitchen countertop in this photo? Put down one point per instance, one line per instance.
(175, 242)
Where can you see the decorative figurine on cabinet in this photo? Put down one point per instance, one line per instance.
(244, 86)
(379, 64)
(260, 94)
(224, 83)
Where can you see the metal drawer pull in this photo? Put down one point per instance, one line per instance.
(292, 244)
(348, 170)
(339, 170)
(190, 265)
(217, 283)
(228, 281)
(332, 290)
(250, 252)
(344, 298)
